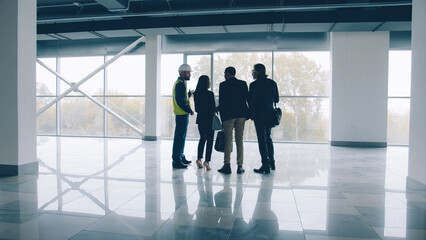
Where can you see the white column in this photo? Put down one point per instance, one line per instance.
(18, 87)
(152, 87)
(359, 88)
(417, 151)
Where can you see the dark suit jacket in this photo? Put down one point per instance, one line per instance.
(205, 106)
(263, 93)
(233, 96)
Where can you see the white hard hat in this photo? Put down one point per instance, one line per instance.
(185, 68)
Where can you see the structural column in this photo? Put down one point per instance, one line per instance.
(152, 87)
(359, 88)
(417, 151)
(18, 87)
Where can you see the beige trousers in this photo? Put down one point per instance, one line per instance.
(228, 126)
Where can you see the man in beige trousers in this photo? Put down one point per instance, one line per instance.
(233, 108)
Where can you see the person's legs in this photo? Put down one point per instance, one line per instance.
(228, 126)
(261, 138)
(209, 147)
(185, 124)
(270, 147)
(202, 141)
(239, 135)
(179, 138)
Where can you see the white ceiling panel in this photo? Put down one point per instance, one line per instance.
(395, 26)
(79, 35)
(42, 37)
(203, 30)
(158, 31)
(303, 27)
(355, 27)
(120, 33)
(247, 28)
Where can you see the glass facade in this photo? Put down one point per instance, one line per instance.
(120, 87)
(399, 86)
(303, 80)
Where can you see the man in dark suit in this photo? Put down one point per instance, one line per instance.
(263, 94)
(233, 108)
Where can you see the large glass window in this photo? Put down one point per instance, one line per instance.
(126, 76)
(125, 95)
(74, 69)
(124, 81)
(81, 117)
(169, 73)
(399, 86)
(243, 63)
(46, 92)
(303, 80)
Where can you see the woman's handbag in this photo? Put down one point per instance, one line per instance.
(220, 142)
(276, 116)
(217, 124)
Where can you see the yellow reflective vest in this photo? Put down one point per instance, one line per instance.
(176, 109)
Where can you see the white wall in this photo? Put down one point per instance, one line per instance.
(417, 152)
(17, 85)
(359, 86)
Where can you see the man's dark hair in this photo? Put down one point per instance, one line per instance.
(260, 69)
(230, 70)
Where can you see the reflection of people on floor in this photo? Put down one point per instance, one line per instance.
(223, 203)
(181, 218)
(205, 191)
(264, 222)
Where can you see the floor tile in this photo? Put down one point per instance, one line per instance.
(49, 226)
(400, 233)
(144, 226)
(337, 225)
(92, 235)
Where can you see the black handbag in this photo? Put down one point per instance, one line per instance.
(276, 116)
(219, 145)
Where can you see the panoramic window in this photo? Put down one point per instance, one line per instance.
(46, 92)
(125, 95)
(124, 84)
(303, 80)
(169, 73)
(399, 93)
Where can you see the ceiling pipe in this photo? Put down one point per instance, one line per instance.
(228, 11)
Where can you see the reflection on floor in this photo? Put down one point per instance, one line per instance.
(95, 188)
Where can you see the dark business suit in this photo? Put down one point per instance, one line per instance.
(262, 95)
(233, 95)
(205, 107)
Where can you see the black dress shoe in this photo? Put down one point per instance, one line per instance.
(179, 165)
(184, 161)
(272, 165)
(262, 170)
(226, 169)
(240, 169)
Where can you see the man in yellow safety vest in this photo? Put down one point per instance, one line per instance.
(182, 109)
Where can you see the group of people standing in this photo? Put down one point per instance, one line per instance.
(237, 103)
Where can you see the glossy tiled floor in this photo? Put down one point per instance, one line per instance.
(90, 188)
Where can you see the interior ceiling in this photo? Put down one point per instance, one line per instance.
(87, 19)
